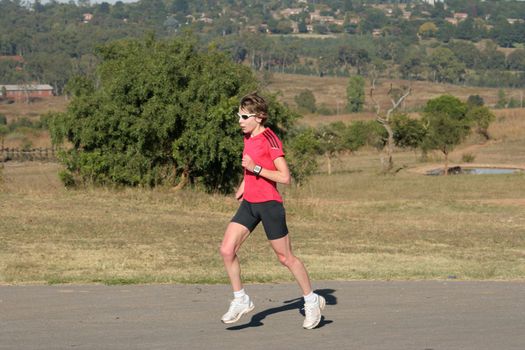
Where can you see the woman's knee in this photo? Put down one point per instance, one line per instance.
(286, 260)
(227, 252)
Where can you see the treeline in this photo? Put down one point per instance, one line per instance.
(59, 40)
(457, 61)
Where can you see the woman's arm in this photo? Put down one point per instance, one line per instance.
(281, 175)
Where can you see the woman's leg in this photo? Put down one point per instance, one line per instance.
(234, 236)
(283, 249)
(313, 303)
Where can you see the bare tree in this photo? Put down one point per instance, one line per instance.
(385, 119)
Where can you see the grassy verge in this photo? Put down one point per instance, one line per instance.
(353, 224)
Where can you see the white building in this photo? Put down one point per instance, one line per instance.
(432, 2)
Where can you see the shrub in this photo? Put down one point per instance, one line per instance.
(323, 109)
(67, 178)
(369, 133)
(306, 101)
(408, 133)
(468, 157)
(475, 101)
(355, 94)
(302, 149)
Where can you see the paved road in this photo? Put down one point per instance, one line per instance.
(359, 315)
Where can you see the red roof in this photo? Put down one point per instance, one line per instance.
(15, 58)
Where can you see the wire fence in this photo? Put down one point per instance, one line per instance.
(28, 155)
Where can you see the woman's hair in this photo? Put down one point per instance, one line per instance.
(254, 103)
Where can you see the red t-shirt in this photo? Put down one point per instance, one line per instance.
(263, 148)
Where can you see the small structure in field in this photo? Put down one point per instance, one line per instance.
(25, 91)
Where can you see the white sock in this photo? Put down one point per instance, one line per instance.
(310, 298)
(240, 295)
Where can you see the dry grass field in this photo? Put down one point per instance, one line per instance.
(32, 111)
(331, 91)
(353, 224)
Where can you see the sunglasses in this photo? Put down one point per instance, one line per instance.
(246, 116)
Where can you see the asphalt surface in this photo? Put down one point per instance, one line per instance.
(425, 315)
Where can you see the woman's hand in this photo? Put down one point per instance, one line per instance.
(248, 163)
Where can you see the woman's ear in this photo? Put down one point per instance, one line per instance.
(260, 118)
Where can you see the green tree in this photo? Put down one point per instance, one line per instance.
(4, 130)
(306, 101)
(516, 60)
(179, 6)
(355, 94)
(163, 113)
(365, 133)
(446, 32)
(373, 18)
(466, 30)
(447, 125)
(331, 141)
(491, 57)
(475, 101)
(302, 148)
(427, 30)
(502, 99)
(408, 132)
(481, 117)
(466, 52)
(412, 65)
(514, 103)
(445, 66)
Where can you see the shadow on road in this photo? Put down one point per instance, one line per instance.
(294, 304)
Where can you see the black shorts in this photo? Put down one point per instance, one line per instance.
(271, 214)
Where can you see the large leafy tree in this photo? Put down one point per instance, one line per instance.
(160, 112)
(447, 125)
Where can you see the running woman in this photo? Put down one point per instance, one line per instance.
(264, 166)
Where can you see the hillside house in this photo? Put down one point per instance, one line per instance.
(14, 58)
(22, 92)
(286, 13)
(321, 19)
(354, 20)
(376, 33)
(87, 17)
(460, 16)
(432, 2)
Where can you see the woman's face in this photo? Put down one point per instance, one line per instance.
(248, 121)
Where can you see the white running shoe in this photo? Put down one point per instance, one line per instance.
(312, 312)
(236, 310)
